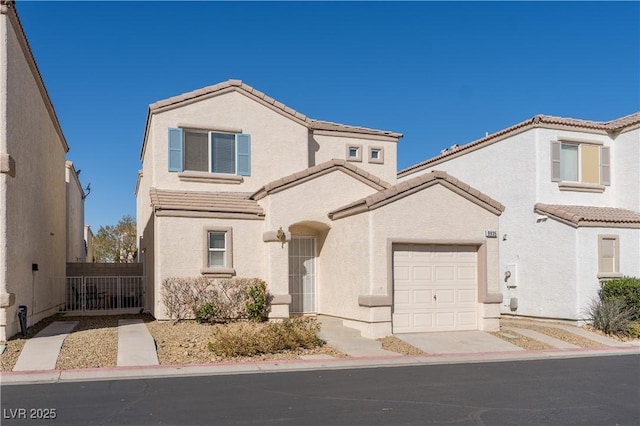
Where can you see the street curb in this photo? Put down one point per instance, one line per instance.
(281, 366)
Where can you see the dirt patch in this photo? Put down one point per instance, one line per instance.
(392, 343)
(521, 340)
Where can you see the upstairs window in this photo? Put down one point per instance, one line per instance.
(583, 163)
(354, 153)
(212, 152)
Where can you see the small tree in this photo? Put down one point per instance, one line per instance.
(116, 244)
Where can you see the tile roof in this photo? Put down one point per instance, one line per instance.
(205, 202)
(414, 185)
(319, 170)
(590, 216)
(611, 127)
(238, 85)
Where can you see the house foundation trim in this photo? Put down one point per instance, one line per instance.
(7, 165)
(7, 300)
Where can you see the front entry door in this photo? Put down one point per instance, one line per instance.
(302, 274)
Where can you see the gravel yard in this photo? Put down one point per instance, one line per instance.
(94, 342)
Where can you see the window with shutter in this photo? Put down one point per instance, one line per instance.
(202, 151)
(580, 163)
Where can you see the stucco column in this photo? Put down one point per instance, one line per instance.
(277, 253)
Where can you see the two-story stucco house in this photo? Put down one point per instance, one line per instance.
(34, 180)
(571, 189)
(234, 183)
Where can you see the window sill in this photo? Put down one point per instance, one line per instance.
(218, 272)
(210, 177)
(581, 187)
(609, 275)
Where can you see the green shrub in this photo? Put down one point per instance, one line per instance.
(625, 288)
(251, 338)
(205, 313)
(634, 330)
(258, 301)
(611, 316)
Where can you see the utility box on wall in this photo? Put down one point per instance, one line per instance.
(511, 276)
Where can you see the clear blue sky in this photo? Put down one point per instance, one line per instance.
(441, 73)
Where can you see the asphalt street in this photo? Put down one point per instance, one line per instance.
(578, 391)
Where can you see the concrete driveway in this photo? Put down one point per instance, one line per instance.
(453, 342)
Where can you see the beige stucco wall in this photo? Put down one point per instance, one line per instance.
(76, 251)
(32, 212)
(327, 147)
(278, 144)
(180, 246)
(358, 252)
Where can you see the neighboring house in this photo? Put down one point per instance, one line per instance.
(88, 243)
(76, 245)
(236, 184)
(572, 194)
(33, 201)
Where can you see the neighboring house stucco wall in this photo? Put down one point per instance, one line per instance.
(76, 250)
(625, 170)
(34, 201)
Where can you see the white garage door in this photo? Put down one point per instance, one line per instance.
(435, 288)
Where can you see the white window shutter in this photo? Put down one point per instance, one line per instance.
(605, 165)
(555, 161)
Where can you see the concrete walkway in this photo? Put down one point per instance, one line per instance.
(349, 340)
(136, 346)
(541, 337)
(41, 352)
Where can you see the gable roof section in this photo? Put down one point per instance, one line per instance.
(414, 185)
(260, 97)
(317, 171)
(229, 205)
(611, 128)
(8, 8)
(590, 216)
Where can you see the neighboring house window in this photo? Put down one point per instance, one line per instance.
(218, 258)
(608, 256)
(211, 152)
(583, 163)
(376, 155)
(354, 152)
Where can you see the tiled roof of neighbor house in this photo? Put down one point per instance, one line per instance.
(205, 202)
(319, 170)
(414, 185)
(590, 216)
(611, 127)
(239, 86)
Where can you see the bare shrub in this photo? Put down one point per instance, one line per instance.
(250, 338)
(230, 299)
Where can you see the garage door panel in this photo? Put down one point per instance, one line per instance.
(401, 273)
(423, 297)
(422, 273)
(447, 272)
(402, 297)
(467, 273)
(444, 273)
(423, 320)
(467, 296)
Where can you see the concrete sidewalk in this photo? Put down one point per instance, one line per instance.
(41, 352)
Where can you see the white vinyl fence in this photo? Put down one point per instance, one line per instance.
(109, 293)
